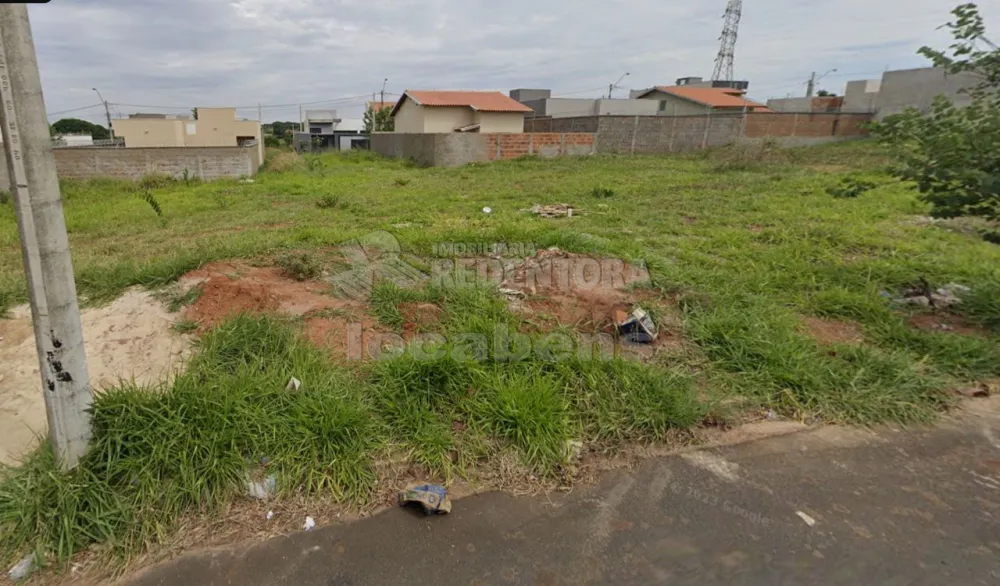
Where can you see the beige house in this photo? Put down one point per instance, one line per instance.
(214, 127)
(682, 100)
(438, 112)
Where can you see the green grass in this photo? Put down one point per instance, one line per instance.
(749, 241)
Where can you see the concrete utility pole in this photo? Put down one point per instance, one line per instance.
(811, 85)
(44, 244)
(613, 86)
(384, 81)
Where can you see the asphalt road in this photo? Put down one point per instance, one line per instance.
(829, 506)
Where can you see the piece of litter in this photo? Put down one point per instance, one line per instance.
(309, 524)
(264, 489)
(23, 568)
(638, 327)
(556, 210)
(293, 385)
(772, 415)
(270, 515)
(487, 210)
(511, 293)
(432, 497)
(246, 181)
(809, 520)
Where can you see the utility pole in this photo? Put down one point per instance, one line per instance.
(107, 112)
(384, 81)
(613, 86)
(260, 115)
(44, 244)
(811, 84)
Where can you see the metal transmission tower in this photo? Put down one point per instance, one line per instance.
(727, 48)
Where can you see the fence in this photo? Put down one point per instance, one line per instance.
(667, 134)
(205, 163)
(455, 149)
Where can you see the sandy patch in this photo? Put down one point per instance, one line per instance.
(833, 331)
(128, 339)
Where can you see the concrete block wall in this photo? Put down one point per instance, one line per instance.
(456, 149)
(206, 163)
(570, 124)
(665, 134)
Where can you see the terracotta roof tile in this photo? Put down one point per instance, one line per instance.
(711, 96)
(481, 101)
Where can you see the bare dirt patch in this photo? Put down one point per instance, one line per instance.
(419, 317)
(833, 331)
(128, 339)
(943, 322)
(228, 289)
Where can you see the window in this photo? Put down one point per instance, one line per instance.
(663, 105)
(191, 126)
(315, 130)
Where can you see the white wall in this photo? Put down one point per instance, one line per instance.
(512, 122)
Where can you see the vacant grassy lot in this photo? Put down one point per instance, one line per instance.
(763, 266)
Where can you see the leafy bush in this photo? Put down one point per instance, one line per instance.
(952, 153)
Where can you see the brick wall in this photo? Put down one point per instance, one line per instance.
(814, 125)
(206, 163)
(542, 144)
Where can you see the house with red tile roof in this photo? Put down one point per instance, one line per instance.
(679, 100)
(421, 111)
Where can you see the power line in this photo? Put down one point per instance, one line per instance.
(74, 109)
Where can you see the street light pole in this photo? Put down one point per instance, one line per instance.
(107, 112)
(55, 311)
(384, 81)
(813, 80)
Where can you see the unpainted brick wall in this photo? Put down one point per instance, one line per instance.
(542, 144)
(833, 124)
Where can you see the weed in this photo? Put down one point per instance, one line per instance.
(5, 197)
(850, 187)
(602, 192)
(402, 181)
(185, 326)
(148, 197)
(328, 202)
(177, 300)
(155, 181)
(301, 266)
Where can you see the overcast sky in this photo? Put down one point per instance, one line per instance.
(178, 54)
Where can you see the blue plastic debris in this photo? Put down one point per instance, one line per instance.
(432, 497)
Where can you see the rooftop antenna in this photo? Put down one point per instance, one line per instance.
(727, 45)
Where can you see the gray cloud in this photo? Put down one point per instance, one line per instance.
(186, 53)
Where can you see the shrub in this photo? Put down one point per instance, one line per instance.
(952, 153)
(301, 266)
(328, 202)
(850, 187)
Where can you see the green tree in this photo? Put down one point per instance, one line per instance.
(953, 153)
(77, 126)
(380, 121)
(825, 94)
